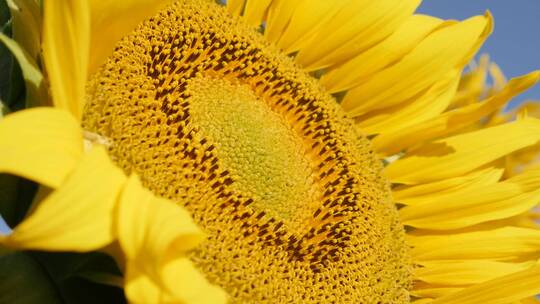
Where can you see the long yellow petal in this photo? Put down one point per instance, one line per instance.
(480, 41)
(472, 84)
(308, 17)
(434, 292)
(155, 234)
(78, 216)
(66, 38)
(422, 193)
(475, 205)
(466, 211)
(499, 80)
(465, 272)
(391, 143)
(402, 41)
(112, 20)
(427, 106)
(498, 244)
(346, 35)
(41, 144)
(255, 11)
(506, 289)
(531, 300)
(433, 58)
(460, 154)
(236, 7)
(425, 300)
(279, 15)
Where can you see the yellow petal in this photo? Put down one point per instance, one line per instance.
(475, 205)
(421, 301)
(152, 230)
(522, 220)
(346, 35)
(140, 289)
(513, 287)
(112, 20)
(429, 105)
(41, 144)
(279, 15)
(66, 38)
(255, 11)
(155, 234)
(466, 211)
(162, 227)
(480, 41)
(188, 284)
(472, 84)
(465, 272)
(26, 19)
(235, 6)
(434, 292)
(498, 244)
(499, 80)
(402, 41)
(308, 17)
(78, 216)
(390, 143)
(460, 154)
(422, 193)
(433, 58)
(33, 78)
(531, 300)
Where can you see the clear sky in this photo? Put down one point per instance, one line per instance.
(515, 42)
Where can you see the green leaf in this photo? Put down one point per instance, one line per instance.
(24, 281)
(16, 94)
(66, 269)
(16, 195)
(35, 86)
(50, 278)
(27, 25)
(6, 59)
(4, 13)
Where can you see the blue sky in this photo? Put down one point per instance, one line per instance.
(515, 42)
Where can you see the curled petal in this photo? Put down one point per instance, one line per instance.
(41, 144)
(155, 235)
(78, 215)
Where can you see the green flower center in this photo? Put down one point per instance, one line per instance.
(255, 144)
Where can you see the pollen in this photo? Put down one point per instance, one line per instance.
(290, 194)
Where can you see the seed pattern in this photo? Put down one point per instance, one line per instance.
(336, 240)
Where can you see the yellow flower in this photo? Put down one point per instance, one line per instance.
(332, 151)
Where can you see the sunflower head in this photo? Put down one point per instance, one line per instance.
(290, 193)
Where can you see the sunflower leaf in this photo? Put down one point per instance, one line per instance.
(16, 195)
(51, 278)
(4, 13)
(20, 273)
(6, 59)
(35, 88)
(67, 271)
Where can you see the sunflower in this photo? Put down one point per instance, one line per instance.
(331, 151)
